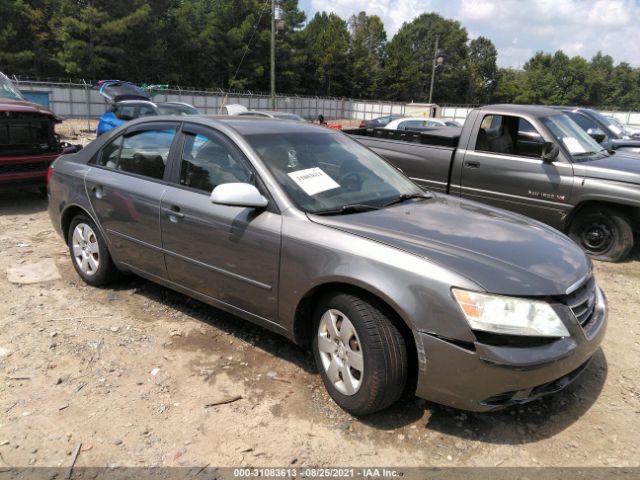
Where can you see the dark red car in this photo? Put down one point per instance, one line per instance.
(28, 142)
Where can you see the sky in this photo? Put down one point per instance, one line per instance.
(518, 28)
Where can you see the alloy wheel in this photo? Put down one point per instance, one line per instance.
(340, 352)
(86, 251)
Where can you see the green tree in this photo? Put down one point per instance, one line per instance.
(410, 56)
(91, 34)
(25, 39)
(483, 70)
(366, 55)
(327, 45)
(510, 86)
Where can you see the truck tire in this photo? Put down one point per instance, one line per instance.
(604, 233)
(360, 353)
(89, 253)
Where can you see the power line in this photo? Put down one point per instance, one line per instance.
(255, 28)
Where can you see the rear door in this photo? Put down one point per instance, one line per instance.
(229, 254)
(125, 186)
(504, 168)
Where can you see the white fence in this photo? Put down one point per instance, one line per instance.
(82, 100)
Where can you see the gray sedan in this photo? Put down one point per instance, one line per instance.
(304, 231)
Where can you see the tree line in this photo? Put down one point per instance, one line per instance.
(225, 44)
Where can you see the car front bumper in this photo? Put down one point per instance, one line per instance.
(487, 377)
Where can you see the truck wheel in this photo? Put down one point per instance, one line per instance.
(360, 353)
(89, 253)
(604, 233)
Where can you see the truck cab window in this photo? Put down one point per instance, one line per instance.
(508, 135)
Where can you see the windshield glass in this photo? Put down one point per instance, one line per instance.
(326, 171)
(8, 89)
(575, 139)
(178, 110)
(617, 127)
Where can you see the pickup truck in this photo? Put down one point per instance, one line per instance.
(28, 142)
(532, 160)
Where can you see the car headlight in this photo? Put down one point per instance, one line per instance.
(509, 315)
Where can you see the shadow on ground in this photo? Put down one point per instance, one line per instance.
(21, 201)
(261, 338)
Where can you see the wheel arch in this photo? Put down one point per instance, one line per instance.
(69, 213)
(303, 321)
(632, 211)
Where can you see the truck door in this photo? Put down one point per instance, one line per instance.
(504, 168)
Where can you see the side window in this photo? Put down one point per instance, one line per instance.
(146, 152)
(207, 162)
(497, 134)
(125, 112)
(145, 111)
(110, 153)
(585, 122)
(530, 142)
(410, 124)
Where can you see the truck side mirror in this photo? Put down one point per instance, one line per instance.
(550, 151)
(597, 134)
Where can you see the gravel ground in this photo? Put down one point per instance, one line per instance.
(135, 374)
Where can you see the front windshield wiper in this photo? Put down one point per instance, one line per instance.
(351, 208)
(407, 196)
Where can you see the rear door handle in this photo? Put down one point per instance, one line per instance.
(174, 212)
(98, 191)
(471, 164)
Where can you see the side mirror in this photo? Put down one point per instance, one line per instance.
(550, 151)
(597, 134)
(238, 195)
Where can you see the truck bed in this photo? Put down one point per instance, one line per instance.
(425, 157)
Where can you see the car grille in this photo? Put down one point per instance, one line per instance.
(582, 302)
(24, 167)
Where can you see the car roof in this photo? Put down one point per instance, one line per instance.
(244, 125)
(532, 110)
(398, 121)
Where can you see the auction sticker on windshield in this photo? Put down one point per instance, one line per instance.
(313, 180)
(573, 145)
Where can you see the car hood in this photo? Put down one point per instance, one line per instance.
(618, 167)
(504, 253)
(9, 105)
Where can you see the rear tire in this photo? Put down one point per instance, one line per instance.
(604, 233)
(89, 253)
(360, 353)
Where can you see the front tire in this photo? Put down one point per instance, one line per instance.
(89, 253)
(604, 233)
(360, 353)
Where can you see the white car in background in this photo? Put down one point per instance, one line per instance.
(419, 123)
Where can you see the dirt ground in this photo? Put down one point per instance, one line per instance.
(135, 374)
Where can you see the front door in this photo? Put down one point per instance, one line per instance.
(125, 186)
(505, 169)
(230, 254)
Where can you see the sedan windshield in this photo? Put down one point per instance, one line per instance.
(330, 173)
(575, 139)
(8, 89)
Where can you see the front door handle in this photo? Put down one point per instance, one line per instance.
(471, 164)
(173, 212)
